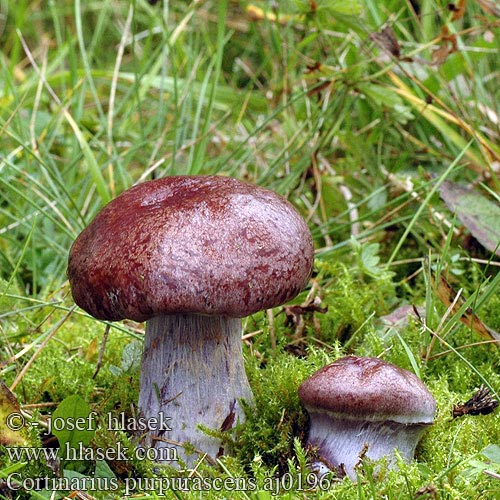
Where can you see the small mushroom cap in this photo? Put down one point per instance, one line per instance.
(190, 244)
(370, 389)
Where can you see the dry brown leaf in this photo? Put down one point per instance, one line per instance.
(298, 315)
(447, 295)
(480, 215)
(78, 495)
(9, 407)
(386, 40)
(489, 7)
(91, 350)
(458, 10)
(448, 46)
(440, 55)
(311, 68)
(399, 317)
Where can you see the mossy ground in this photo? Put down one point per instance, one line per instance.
(269, 452)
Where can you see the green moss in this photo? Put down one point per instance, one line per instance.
(276, 415)
(354, 300)
(269, 445)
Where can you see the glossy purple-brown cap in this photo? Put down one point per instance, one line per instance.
(368, 388)
(190, 244)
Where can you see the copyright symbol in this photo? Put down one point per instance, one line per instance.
(15, 421)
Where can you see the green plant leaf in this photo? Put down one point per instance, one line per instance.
(131, 359)
(492, 453)
(103, 470)
(478, 214)
(73, 426)
(381, 96)
(370, 258)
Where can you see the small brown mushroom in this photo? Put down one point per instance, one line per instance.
(191, 255)
(364, 406)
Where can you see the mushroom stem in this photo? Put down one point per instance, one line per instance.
(193, 373)
(342, 441)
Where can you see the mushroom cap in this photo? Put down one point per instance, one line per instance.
(369, 389)
(190, 245)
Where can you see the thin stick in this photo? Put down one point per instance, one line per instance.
(272, 334)
(101, 350)
(492, 474)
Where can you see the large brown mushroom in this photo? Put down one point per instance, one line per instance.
(364, 406)
(191, 255)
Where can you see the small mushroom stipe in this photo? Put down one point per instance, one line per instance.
(191, 255)
(361, 404)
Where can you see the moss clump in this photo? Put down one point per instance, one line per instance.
(276, 416)
(354, 300)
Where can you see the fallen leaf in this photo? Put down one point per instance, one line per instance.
(386, 40)
(458, 10)
(399, 317)
(447, 295)
(311, 68)
(227, 425)
(229, 420)
(448, 46)
(426, 492)
(79, 495)
(476, 212)
(440, 55)
(296, 315)
(91, 350)
(489, 7)
(8, 407)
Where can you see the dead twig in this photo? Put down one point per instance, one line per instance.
(101, 350)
